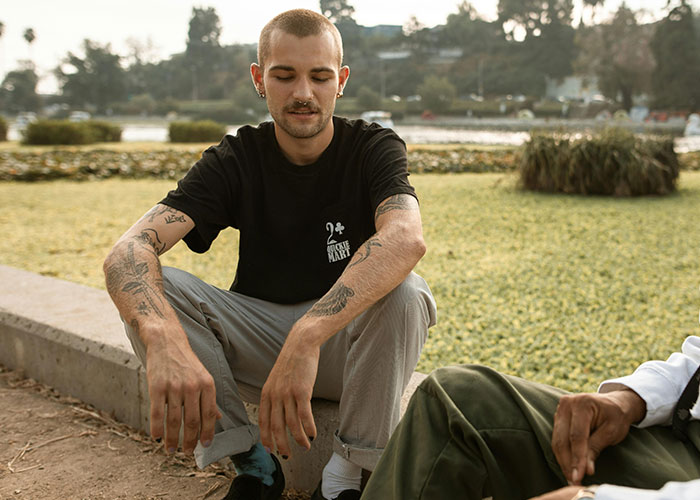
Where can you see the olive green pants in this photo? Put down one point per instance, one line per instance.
(470, 433)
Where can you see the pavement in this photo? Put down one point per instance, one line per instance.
(70, 337)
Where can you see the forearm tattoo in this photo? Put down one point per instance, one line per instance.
(395, 202)
(333, 302)
(130, 276)
(361, 257)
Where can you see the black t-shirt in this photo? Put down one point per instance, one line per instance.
(299, 225)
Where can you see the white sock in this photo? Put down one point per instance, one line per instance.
(339, 475)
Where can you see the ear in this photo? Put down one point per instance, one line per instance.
(256, 73)
(343, 76)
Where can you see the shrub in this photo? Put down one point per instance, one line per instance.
(3, 129)
(368, 99)
(57, 132)
(54, 132)
(104, 131)
(200, 131)
(612, 162)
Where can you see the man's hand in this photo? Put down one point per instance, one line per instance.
(178, 381)
(586, 424)
(566, 493)
(286, 397)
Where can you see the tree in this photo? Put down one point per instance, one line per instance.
(203, 49)
(618, 54)
(18, 90)
(337, 10)
(676, 82)
(368, 99)
(96, 80)
(29, 35)
(437, 93)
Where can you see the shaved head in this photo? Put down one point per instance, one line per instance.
(300, 23)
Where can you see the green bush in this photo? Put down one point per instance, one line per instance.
(3, 129)
(612, 162)
(54, 132)
(104, 131)
(57, 132)
(199, 131)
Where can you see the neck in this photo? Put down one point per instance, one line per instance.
(304, 151)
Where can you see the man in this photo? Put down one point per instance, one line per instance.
(472, 433)
(324, 302)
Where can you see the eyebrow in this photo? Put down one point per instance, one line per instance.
(321, 69)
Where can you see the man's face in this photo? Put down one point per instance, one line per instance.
(301, 79)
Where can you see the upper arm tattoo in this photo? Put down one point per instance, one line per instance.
(173, 215)
(394, 202)
(333, 302)
(150, 237)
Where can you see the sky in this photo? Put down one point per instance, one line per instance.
(61, 25)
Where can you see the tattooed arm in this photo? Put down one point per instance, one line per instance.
(176, 378)
(377, 267)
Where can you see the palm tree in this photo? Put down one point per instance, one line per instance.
(29, 36)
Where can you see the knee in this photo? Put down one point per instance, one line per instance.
(468, 383)
(413, 299)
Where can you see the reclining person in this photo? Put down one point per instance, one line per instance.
(471, 433)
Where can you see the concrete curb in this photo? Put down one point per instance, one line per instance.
(70, 337)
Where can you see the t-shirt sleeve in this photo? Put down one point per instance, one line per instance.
(386, 168)
(207, 194)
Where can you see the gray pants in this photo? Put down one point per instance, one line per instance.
(365, 367)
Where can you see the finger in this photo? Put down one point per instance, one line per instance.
(307, 419)
(560, 437)
(291, 415)
(578, 436)
(264, 421)
(210, 414)
(279, 428)
(192, 420)
(608, 434)
(172, 423)
(157, 414)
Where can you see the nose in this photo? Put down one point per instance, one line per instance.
(302, 90)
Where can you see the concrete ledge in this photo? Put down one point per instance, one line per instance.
(70, 337)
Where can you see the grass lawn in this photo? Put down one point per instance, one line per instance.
(564, 290)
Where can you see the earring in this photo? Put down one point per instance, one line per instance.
(261, 94)
(339, 94)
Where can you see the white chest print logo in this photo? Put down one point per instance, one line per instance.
(336, 250)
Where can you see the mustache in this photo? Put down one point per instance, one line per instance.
(298, 105)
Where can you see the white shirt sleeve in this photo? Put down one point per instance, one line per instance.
(689, 490)
(660, 384)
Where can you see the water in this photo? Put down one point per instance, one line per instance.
(412, 134)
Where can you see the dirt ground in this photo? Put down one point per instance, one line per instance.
(53, 446)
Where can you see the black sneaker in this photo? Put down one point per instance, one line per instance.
(247, 487)
(344, 495)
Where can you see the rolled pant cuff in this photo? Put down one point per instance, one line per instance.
(227, 443)
(366, 458)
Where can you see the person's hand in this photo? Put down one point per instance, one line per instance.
(178, 381)
(286, 397)
(566, 493)
(586, 424)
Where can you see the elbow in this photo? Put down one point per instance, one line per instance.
(112, 258)
(414, 248)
